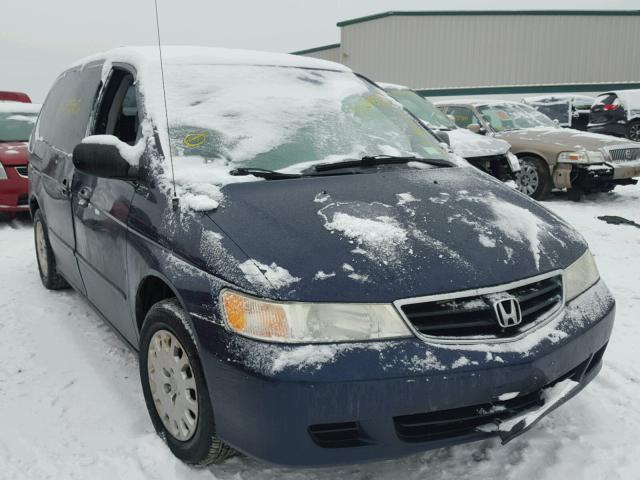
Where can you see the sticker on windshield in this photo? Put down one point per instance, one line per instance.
(195, 140)
(502, 115)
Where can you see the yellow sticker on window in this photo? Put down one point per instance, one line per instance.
(195, 140)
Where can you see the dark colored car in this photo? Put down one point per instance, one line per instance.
(571, 111)
(16, 122)
(322, 283)
(617, 113)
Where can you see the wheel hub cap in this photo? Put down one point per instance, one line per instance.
(172, 385)
(41, 250)
(527, 178)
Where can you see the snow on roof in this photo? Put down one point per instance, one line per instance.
(192, 55)
(392, 86)
(19, 107)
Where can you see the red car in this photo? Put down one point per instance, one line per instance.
(16, 122)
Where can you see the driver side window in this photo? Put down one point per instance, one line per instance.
(118, 111)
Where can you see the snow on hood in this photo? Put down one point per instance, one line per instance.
(19, 107)
(398, 234)
(566, 138)
(468, 144)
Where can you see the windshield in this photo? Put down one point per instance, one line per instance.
(16, 126)
(514, 116)
(422, 108)
(284, 118)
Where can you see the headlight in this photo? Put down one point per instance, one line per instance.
(514, 163)
(292, 322)
(3, 174)
(581, 156)
(580, 275)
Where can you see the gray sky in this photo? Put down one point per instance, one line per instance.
(48, 35)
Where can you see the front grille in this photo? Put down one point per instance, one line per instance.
(423, 427)
(473, 316)
(23, 171)
(625, 154)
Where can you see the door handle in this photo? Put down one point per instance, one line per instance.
(84, 195)
(66, 191)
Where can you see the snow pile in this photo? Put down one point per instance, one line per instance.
(267, 276)
(371, 226)
(320, 275)
(308, 356)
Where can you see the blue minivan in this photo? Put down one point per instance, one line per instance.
(308, 277)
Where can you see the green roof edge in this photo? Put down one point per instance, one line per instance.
(316, 49)
(552, 88)
(436, 13)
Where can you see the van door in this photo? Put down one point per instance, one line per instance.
(60, 127)
(101, 210)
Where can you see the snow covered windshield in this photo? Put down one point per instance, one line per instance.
(16, 126)
(514, 116)
(284, 117)
(422, 108)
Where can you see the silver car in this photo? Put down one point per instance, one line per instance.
(550, 156)
(486, 153)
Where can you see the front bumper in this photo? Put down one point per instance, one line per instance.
(596, 177)
(348, 403)
(14, 191)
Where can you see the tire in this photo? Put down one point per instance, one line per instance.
(194, 441)
(633, 131)
(576, 194)
(534, 179)
(47, 267)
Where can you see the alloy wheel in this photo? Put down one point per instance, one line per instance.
(527, 178)
(173, 385)
(41, 249)
(634, 132)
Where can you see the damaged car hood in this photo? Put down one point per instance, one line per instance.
(378, 237)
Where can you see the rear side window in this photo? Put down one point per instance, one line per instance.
(66, 112)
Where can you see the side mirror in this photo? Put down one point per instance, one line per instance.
(105, 156)
(443, 137)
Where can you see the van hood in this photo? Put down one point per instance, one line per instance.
(377, 237)
(13, 154)
(469, 145)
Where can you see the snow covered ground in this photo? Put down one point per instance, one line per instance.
(71, 406)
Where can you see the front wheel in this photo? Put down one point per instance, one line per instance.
(633, 131)
(174, 387)
(534, 179)
(47, 268)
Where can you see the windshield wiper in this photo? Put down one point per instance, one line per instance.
(369, 161)
(263, 173)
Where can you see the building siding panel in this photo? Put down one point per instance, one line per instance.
(464, 51)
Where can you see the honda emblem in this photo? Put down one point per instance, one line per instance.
(507, 312)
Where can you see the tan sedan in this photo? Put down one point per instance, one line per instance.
(550, 156)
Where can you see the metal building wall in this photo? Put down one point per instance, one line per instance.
(494, 50)
(331, 54)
